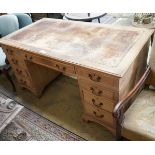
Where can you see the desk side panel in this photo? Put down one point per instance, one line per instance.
(134, 72)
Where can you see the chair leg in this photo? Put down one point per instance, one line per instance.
(6, 73)
(152, 36)
(118, 136)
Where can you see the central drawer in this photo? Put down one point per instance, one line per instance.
(50, 63)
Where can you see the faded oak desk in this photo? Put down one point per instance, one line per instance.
(107, 60)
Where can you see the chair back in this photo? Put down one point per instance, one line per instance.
(23, 19)
(8, 24)
(151, 77)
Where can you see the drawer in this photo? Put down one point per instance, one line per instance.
(98, 102)
(97, 89)
(62, 67)
(97, 77)
(98, 114)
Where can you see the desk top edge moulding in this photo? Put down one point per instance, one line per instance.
(105, 48)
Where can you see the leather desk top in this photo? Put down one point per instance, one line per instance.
(106, 48)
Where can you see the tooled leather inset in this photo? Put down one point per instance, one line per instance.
(80, 42)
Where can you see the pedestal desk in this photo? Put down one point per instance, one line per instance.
(107, 60)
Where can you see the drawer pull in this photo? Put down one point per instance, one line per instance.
(15, 62)
(94, 77)
(9, 51)
(96, 92)
(97, 105)
(98, 116)
(19, 71)
(63, 68)
(28, 57)
(23, 82)
(60, 68)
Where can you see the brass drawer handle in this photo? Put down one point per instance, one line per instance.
(22, 81)
(15, 62)
(61, 68)
(19, 71)
(28, 57)
(98, 116)
(9, 51)
(58, 66)
(96, 92)
(94, 77)
(99, 105)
